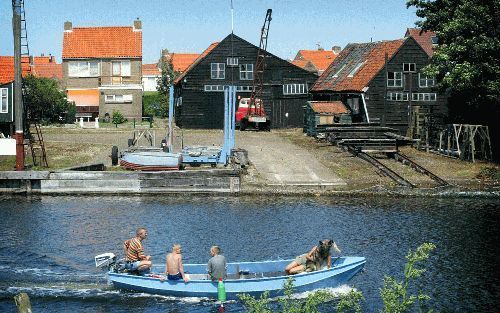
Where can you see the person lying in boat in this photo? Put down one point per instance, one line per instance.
(173, 267)
(136, 260)
(313, 260)
(217, 265)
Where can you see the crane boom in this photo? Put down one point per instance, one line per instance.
(258, 77)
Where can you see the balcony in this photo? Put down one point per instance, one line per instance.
(119, 80)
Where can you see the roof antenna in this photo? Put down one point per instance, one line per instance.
(232, 18)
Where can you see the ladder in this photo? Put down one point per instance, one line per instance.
(32, 130)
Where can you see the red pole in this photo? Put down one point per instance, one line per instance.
(19, 151)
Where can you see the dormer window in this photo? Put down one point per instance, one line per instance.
(409, 67)
(434, 40)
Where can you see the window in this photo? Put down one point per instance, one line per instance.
(425, 81)
(4, 100)
(409, 67)
(220, 88)
(218, 71)
(83, 69)
(397, 96)
(118, 98)
(356, 69)
(294, 89)
(214, 88)
(246, 71)
(120, 68)
(423, 96)
(434, 40)
(338, 72)
(232, 61)
(394, 79)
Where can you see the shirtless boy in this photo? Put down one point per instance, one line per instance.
(173, 267)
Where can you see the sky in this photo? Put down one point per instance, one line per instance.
(191, 25)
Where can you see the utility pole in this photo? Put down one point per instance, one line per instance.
(18, 97)
(383, 121)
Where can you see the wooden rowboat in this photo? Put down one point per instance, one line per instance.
(150, 160)
(252, 278)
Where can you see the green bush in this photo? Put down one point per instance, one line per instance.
(151, 104)
(117, 117)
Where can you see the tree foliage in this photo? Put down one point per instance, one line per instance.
(168, 75)
(466, 58)
(46, 102)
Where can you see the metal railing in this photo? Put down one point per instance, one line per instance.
(119, 80)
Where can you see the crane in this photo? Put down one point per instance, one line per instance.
(255, 114)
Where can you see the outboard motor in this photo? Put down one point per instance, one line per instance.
(105, 260)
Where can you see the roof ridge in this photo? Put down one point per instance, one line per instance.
(87, 27)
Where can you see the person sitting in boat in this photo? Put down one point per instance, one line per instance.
(173, 267)
(217, 265)
(313, 260)
(136, 260)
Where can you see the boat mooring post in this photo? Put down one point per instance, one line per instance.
(23, 303)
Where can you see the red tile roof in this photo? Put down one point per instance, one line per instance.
(7, 68)
(102, 42)
(329, 107)
(305, 64)
(198, 60)
(181, 61)
(150, 69)
(370, 57)
(46, 66)
(424, 39)
(320, 58)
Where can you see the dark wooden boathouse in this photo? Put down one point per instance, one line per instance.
(382, 82)
(199, 95)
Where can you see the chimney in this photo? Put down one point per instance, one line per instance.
(68, 26)
(336, 49)
(137, 25)
(52, 58)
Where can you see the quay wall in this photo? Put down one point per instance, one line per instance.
(103, 182)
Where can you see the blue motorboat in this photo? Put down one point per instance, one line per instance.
(252, 278)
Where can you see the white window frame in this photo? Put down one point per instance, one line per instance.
(427, 81)
(116, 98)
(407, 67)
(294, 89)
(244, 88)
(397, 96)
(393, 82)
(232, 61)
(4, 95)
(355, 69)
(424, 96)
(123, 73)
(245, 72)
(83, 69)
(217, 70)
(338, 72)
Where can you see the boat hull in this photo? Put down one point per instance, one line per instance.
(150, 161)
(339, 274)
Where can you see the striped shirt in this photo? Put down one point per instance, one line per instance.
(134, 251)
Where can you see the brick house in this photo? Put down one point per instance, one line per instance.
(102, 69)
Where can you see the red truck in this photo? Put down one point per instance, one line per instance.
(254, 116)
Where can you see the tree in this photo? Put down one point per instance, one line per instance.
(46, 102)
(168, 75)
(466, 59)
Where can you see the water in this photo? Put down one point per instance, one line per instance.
(48, 244)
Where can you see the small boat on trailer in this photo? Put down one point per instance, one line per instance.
(252, 278)
(150, 160)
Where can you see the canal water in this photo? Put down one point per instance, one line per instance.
(48, 244)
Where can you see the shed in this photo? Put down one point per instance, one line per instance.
(318, 113)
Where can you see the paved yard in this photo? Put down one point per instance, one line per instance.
(276, 159)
